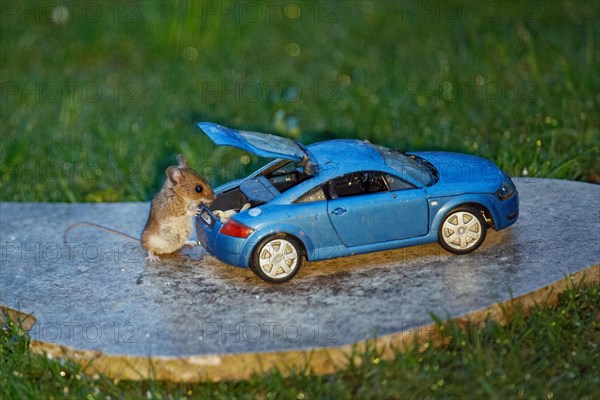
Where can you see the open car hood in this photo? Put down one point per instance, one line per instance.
(261, 144)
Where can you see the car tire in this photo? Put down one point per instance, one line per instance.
(462, 230)
(277, 258)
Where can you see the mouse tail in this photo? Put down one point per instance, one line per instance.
(104, 228)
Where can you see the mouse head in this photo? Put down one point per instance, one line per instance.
(188, 184)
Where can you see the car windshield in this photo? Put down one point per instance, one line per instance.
(407, 165)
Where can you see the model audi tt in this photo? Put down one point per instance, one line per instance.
(344, 197)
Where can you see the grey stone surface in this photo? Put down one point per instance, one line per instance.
(85, 293)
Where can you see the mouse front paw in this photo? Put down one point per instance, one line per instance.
(194, 211)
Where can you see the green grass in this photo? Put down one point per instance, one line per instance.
(550, 353)
(95, 108)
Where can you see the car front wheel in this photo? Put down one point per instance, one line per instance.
(277, 258)
(463, 230)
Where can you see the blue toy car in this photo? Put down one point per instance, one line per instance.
(343, 197)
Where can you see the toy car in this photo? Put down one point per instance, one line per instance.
(343, 197)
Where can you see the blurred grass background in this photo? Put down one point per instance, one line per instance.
(97, 98)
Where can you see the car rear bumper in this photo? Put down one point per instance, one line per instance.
(227, 249)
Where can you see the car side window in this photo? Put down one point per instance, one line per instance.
(394, 183)
(357, 183)
(315, 194)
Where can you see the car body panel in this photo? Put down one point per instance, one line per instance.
(443, 205)
(371, 222)
(228, 186)
(462, 173)
(308, 222)
(259, 189)
(379, 217)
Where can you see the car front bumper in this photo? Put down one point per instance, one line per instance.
(508, 212)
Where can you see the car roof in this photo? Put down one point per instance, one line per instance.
(341, 156)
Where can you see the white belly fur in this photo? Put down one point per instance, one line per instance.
(173, 233)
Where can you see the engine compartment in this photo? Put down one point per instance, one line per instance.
(278, 177)
(231, 200)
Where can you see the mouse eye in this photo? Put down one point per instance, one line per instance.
(199, 189)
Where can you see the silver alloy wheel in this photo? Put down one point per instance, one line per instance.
(278, 258)
(461, 230)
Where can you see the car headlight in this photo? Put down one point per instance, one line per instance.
(506, 190)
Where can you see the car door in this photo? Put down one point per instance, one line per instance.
(371, 207)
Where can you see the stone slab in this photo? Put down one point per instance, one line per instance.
(87, 294)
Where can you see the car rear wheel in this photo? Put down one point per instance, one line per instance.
(277, 258)
(463, 230)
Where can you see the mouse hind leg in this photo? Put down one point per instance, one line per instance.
(157, 244)
(152, 257)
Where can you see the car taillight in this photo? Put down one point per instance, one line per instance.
(236, 229)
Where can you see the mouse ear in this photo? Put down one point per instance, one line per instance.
(181, 161)
(175, 176)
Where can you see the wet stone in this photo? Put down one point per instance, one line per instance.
(97, 292)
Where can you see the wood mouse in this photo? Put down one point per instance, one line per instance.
(169, 223)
